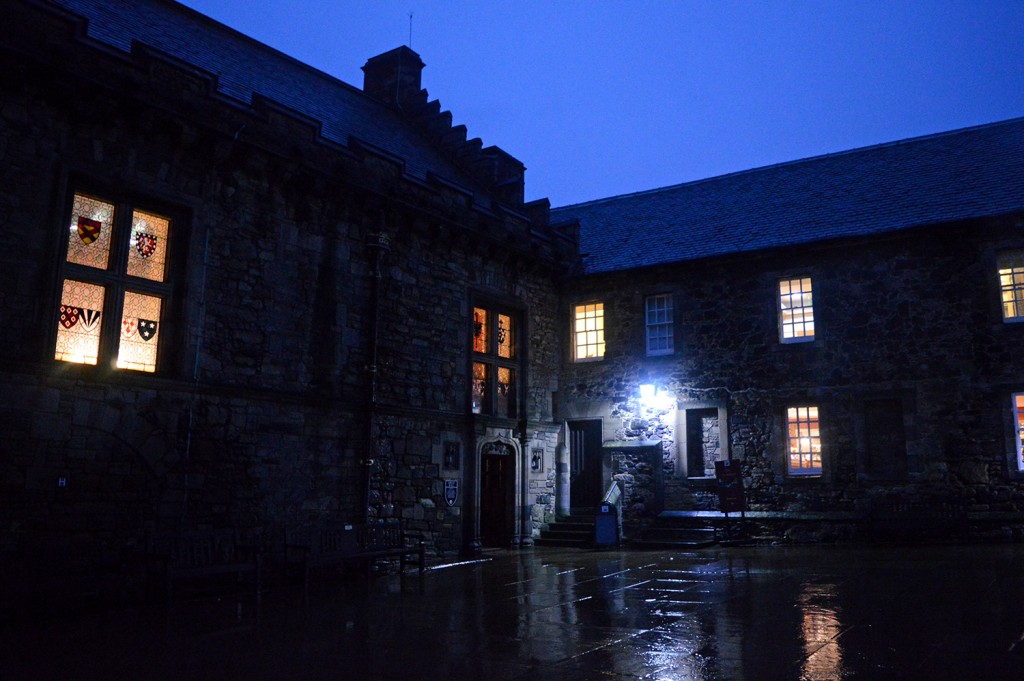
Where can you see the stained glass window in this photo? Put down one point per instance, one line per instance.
(147, 254)
(480, 334)
(495, 352)
(115, 285)
(505, 397)
(78, 323)
(140, 328)
(89, 233)
(506, 348)
(481, 381)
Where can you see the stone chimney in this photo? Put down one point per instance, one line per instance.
(394, 77)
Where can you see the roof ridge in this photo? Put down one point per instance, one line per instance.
(782, 164)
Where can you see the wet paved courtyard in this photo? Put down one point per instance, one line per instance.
(753, 613)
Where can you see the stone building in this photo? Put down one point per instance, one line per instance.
(248, 295)
(244, 294)
(845, 327)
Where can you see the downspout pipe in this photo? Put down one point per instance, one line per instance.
(378, 244)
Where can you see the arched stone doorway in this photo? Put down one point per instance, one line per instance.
(499, 491)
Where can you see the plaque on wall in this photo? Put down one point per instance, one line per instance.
(451, 491)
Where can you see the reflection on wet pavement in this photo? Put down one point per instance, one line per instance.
(756, 613)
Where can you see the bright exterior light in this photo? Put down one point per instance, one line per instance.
(647, 391)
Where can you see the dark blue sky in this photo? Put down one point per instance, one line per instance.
(603, 98)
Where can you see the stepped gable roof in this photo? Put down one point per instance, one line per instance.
(245, 67)
(962, 174)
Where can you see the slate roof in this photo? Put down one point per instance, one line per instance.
(962, 174)
(245, 67)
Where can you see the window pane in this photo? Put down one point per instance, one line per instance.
(78, 327)
(1018, 413)
(481, 377)
(140, 332)
(505, 400)
(480, 330)
(148, 253)
(796, 309)
(89, 232)
(804, 440)
(659, 324)
(1011, 284)
(589, 331)
(506, 345)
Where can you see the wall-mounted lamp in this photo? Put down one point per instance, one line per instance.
(653, 398)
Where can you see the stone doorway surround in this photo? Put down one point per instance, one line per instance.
(501, 442)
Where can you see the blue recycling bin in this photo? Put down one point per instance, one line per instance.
(606, 526)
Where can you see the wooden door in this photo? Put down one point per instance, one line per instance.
(585, 464)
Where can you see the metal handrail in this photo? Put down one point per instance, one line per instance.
(613, 494)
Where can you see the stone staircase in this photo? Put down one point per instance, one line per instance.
(576, 530)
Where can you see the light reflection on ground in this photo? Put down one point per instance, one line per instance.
(738, 614)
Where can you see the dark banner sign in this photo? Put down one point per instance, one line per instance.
(730, 486)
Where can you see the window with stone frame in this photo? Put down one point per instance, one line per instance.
(588, 332)
(803, 440)
(495, 386)
(115, 289)
(1018, 427)
(659, 327)
(1011, 285)
(796, 310)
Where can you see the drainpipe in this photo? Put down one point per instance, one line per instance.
(378, 244)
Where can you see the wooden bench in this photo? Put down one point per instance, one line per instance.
(338, 543)
(201, 555)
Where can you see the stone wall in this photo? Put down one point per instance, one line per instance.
(270, 408)
(908, 323)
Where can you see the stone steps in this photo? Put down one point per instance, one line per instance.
(575, 531)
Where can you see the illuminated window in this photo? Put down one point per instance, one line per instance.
(659, 324)
(803, 436)
(588, 331)
(1011, 285)
(495, 363)
(796, 310)
(1018, 419)
(115, 269)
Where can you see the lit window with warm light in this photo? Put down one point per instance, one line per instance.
(588, 332)
(658, 315)
(796, 310)
(115, 269)
(494, 389)
(1011, 285)
(1018, 420)
(803, 435)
